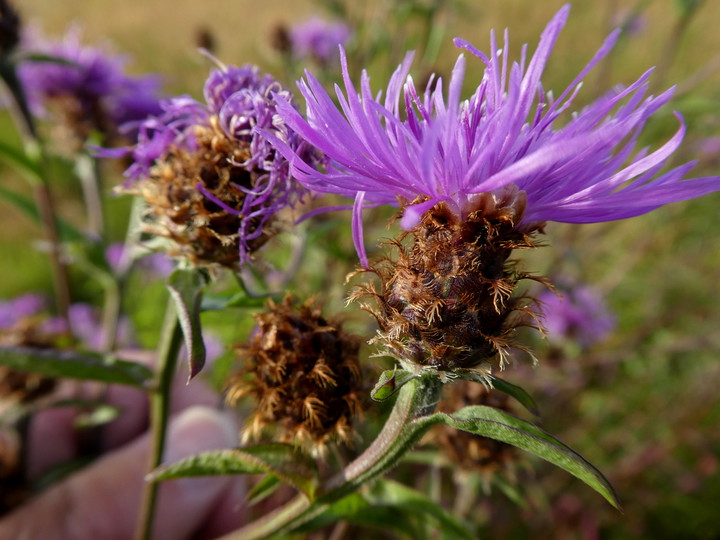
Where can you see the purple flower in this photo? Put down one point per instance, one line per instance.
(317, 38)
(86, 324)
(509, 139)
(239, 101)
(580, 313)
(22, 306)
(92, 76)
(156, 264)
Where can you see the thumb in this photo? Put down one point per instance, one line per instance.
(102, 501)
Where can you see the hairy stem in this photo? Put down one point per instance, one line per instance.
(416, 398)
(168, 349)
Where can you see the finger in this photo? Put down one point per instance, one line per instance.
(102, 501)
(53, 438)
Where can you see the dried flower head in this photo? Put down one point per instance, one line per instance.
(476, 179)
(469, 451)
(211, 181)
(86, 88)
(303, 373)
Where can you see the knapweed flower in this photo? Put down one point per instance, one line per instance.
(477, 178)
(303, 372)
(317, 39)
(86, 87)
(575, 312)
(211, 181)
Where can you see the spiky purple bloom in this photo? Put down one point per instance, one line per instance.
(318, 38)
(238, 102)
(94, 77)
(578, 313)
(418, 150)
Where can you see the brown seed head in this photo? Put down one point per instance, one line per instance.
(304, 376)
(447, 301)
(201, 231)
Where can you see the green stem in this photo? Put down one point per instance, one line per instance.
(41, 189)
(168, 349)
(88, 173)
(416, 398)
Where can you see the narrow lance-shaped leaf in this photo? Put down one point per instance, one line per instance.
(68, 232)
(23, 163)
(501, 426)
(186, 289)
(282, 460)
(503, 386)
(76, 365)
(516, 392)
(263, 489)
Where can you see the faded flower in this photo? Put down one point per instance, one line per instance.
(303, 373)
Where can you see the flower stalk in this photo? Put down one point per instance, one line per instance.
(168, 349)
(418, 397)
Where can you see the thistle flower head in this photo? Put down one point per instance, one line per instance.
(304, 375)
(88, 85)
(318, 39)
(418, 149)
(212, 182)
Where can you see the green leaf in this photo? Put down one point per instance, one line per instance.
(282, 460)
(46, 58)
(218, 302)
(186, 289)
(263, 489)
(23, 163)
(391, 505)
(76, 365)
(390, 381)
(356, 509)
(68, 233)
(516, 392)
(402, 498)
(99, 416)
(501, 426)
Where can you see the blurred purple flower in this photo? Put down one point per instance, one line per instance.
(86, 323)
(317, 38)
(709, 147)
(580, 314)
(238, 100)
(156, 264)
(632, 22)
(22, 306)
(92, 76)
(420, 149)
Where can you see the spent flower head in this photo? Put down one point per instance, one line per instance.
(303, 371)
(211, 181)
